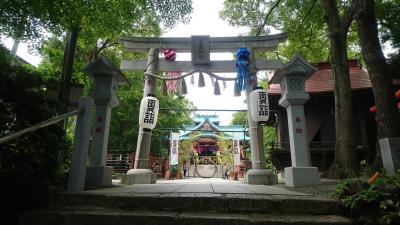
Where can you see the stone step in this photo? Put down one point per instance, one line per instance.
(202, 202)
(102, 216)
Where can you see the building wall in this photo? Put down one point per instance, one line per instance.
(320, 123)
(320, 119)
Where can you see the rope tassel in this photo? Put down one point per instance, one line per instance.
(236, 89)
(201, 80)
(217, 90)
(192, 80)
(184, 87)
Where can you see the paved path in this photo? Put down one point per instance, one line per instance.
(201, 186)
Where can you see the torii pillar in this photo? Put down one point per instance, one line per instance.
(141, 174)
(292, 77)
(257, 174)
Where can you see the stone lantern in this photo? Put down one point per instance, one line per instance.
(106, 80)
(292, 77)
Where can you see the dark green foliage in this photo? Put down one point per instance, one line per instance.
(394, 64)
(388, 16)
(239, 118)
(374, 203)
(124, 126)
(28, 164)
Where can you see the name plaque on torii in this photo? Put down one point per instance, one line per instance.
(200, 50)
(201, 47)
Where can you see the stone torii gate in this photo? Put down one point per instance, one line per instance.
(200, 48)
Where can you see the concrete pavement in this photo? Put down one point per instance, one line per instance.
(205, 186)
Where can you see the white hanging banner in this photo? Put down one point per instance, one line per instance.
(174, 147)
(236, 149)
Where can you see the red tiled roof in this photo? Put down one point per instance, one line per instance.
(322, 80)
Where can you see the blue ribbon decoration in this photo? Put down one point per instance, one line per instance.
(242, 64)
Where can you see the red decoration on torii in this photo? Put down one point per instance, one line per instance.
(172, 85)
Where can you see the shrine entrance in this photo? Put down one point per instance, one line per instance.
(200, 48)
(291, 76)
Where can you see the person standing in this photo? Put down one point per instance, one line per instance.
(184, 168)
(225, 171)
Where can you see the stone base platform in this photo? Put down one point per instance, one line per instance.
(99, 176)
(261, 176)
(139, 176)
(301, 176)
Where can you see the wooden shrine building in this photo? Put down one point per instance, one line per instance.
(320, 118)
(206, 135)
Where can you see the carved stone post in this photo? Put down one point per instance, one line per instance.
(292, 77)
(106, 80)
(390, 150)
(76, 179)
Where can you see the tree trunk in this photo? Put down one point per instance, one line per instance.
(66, 74)
(388, 120)
(344, 160)
(15, 46)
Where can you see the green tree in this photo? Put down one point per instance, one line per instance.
(388, 118)
(388, 17)
(29, 164)
(98, 21)
(303, 20)
(22, 19)
(124, 119)
(226, 152)
(239, 118)
(338, 25)
(311, 20)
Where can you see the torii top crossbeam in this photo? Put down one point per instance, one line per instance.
(201, 46)
(216, 44)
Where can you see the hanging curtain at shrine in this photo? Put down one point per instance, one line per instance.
(173, 85)
(236, 149)
(174, 149)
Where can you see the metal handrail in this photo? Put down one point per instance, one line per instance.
(40, 125)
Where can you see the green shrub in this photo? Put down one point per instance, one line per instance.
(29, 164)
(378, 203)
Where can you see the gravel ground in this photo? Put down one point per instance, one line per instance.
(326, 188)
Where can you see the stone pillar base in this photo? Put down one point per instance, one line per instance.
(390, 150)
(98, 176)
(139, 176)
(301, 176)
(261, 176)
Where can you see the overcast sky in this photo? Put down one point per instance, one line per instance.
(205, 21)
